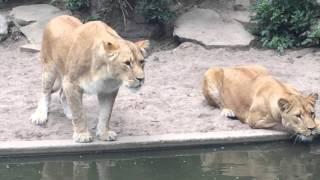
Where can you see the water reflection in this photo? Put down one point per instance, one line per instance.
(56, 170)
(76, 170)
(285, 162)
(294, 163)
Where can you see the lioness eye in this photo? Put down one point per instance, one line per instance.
(298, 115)
(128, 63)
(142, 61)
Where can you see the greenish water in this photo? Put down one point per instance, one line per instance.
(283, 161)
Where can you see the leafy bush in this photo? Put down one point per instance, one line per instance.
(155, 11)
(75, 5)
(282, 24)
(109, 9)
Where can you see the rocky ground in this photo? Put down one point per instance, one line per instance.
(170, 101)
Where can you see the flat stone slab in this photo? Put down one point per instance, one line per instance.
(33, 19)
(209, 28)
(136, 143)
(34, 31)
(27, 14)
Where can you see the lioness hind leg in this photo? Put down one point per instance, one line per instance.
(256, 120)
(40, 116)
(210, 87)
(262, 124)
(73, 94)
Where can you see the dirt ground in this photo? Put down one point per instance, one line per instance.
(169, 102)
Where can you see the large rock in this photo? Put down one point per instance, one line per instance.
(3, 27)
(27, 14)
(33, 19)
(134, 30)
(235, 9)
(208, 28)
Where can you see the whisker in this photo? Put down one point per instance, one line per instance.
(295, 139)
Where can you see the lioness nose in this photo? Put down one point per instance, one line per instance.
(140, 79)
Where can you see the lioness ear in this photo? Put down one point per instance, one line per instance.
(313, 97)
(109, 46)
(143, 46)
(104, 48)
(283, 104)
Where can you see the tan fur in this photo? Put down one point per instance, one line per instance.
(87, 58)
(250, 94)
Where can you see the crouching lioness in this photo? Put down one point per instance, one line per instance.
(249, 94)
(87, 58)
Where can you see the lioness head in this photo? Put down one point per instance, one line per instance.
(126, 61)
(298, 115)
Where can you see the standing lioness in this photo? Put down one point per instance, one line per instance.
(254, 97)
(87, 58)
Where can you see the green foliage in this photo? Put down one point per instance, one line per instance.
(282, 24)
(111, 7)
(155, 11)
(92, 18)
(313, 36)
(75, 5)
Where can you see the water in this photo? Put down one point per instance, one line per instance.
(271, 161)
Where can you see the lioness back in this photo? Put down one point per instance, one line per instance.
(60, 26)
(57, 37)
(218, 86)
(66, 38)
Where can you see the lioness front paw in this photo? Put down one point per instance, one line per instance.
(84, 137)
(107, 136)
(228, 113)
(39, 117)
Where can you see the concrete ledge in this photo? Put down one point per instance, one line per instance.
(53, 147)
